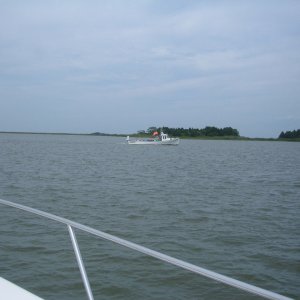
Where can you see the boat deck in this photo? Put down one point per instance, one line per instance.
(11, 291)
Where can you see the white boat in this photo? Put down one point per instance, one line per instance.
(162, 139)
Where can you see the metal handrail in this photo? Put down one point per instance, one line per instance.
(174, 261)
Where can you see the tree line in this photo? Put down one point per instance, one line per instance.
(293, 134)
(194, 132)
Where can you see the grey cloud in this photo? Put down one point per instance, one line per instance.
(218, 62)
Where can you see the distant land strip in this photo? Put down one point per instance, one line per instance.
(145, 134)
(63, 133)
(215, 133)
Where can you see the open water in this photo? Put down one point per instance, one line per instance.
(229, 206)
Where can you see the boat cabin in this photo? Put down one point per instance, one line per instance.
(164, 136)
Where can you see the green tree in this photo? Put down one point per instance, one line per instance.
(290, 134)
(151, 129)
(195, 132)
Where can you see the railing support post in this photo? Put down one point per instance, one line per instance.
(80, 264)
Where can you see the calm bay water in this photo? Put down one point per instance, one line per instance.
(228, 206)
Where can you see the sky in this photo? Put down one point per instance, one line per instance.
(122, 66)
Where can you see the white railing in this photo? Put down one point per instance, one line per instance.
(174, 261)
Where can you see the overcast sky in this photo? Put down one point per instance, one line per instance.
(122, 66)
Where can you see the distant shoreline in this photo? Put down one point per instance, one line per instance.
(216, 138)
(63, 133)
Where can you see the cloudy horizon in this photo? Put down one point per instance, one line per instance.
(119, 67)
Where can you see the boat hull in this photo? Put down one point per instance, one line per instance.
(173, 141)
